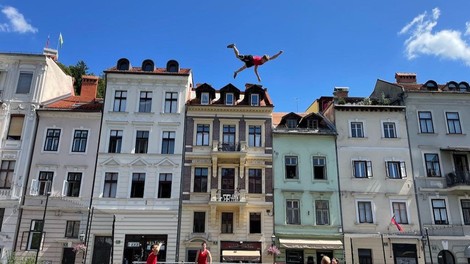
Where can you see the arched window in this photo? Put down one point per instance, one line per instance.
(431, 85)
(148, 66)
(172, 66)
(452, 86)
(123, 64)
(463, 87)
(445, 257)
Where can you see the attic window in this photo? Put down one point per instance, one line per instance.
(463, 87)
(172, 66)
(431, 85)
(312, 123)
(123, 65)
(452, 86)
(148, 66)
(255, 100)
(205, 98)
(291, 123)
(229, 99)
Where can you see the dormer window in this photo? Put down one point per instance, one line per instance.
(291, 123)
(463, 87)
(452, 86)
(205, 98)
(431, 85)
(255, 100)
(312, 123)
(229, 99)
(172, 66)
(123, 65)
(148, 66)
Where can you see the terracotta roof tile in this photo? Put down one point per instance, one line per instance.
(182, 71)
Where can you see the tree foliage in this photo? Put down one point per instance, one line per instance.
(77, 71)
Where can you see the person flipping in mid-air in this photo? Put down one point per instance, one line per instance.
(251, 60)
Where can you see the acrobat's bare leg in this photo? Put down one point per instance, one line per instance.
(235, 50)
(239, 70)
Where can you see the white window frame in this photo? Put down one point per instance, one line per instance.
(151, 101)
(172, 111)
(263, 134)
(434, 152)
(363, 122)
(197, 122)
(205, 98)
(299, 208)
(369, 169)
(395, 123)
(447, 121)
(224, 122)
(402, 169)
(329, 211)
(122, 109)
(45, 137)
(193, 177)
(227, 96)
(30, 85)
(324, 166)
(461, 209)
(419, 121)
(103, 182)
(129, 188)
(65, 186)
(449, 220)
(263, 176)
(254, 100)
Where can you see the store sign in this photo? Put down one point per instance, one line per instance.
(133, 244)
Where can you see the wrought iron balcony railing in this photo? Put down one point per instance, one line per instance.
(458, 178)
(229, 147)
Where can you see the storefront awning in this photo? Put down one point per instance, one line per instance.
(311, 244)
(240, 255)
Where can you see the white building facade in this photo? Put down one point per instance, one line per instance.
(137, 186)
(26, 83)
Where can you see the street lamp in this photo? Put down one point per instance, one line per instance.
(429, 245)
(273, 243)
(48, 193)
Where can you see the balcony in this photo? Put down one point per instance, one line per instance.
(228, 150)
(228, 196)
(458, 178)
(228, 147)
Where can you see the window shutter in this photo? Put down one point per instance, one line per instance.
(353, 169)
(34, 187)
(65, 188)
(369, 169)
(386, 169)
(403, 169)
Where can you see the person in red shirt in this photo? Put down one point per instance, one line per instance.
(203, 255)
(251, 60)
(152, 258)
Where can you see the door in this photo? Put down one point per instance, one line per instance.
(461, 168)
(320, 255)
(228, 180)
(68, 256)
(405, 253)
(102, 250)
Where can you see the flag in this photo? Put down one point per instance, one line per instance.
(394, 221)
(47, 42)
(61, 40)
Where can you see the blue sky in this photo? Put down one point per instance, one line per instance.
(325, 43)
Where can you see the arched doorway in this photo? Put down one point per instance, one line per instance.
(445, 257)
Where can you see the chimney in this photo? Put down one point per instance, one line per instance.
(89, 87)
(401, 77)
(341, 92)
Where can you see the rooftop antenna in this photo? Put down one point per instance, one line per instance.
(297, 103)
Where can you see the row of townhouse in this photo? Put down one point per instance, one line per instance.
(161, 160)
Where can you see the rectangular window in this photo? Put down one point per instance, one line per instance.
(396, 169)
(255, 223)
(204, 98)
(291, 123)
(389, 130)
(45, 182)
(141, 141)
(465, 203)
(110, 184)
(399, 210)
(254, 99)
(227, 223)
(319, 168)
(52, 139)
(72, 185)
(357, 130)
(453, 123)
(433, 169)
(362, 169)
(199, 225)
(80, 138)
(171, 102)
(24, 83)
(365, 212)
(16, 127)
(228, 137)
(120, 100)
(312, 123)
(34, 237)
(365, 255)
(293, 212)
(254, 136)
(200, 179)
(115, 141)
(202, 135)
(439, 211)
(164, 185)
(322, 212)
(291, 167)
(6, 173)
(229, 98)
(168, 142)
(255, 181)
(138, 185)
(72, 229)
(145, 102)
(425, 122)
(2, 216)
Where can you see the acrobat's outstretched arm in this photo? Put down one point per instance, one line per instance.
(276, 55)
(256, 72)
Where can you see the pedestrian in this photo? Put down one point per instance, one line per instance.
(326, 260)
(251, 60)
(152, 258)
(334, 261)
(203, 255)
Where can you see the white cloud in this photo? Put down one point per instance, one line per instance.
(447, 43)
(16, 22)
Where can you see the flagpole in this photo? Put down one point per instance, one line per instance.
(383, 248)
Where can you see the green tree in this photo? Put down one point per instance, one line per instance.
(77, 71)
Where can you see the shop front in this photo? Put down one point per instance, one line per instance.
(240, 251)
(138, 247)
